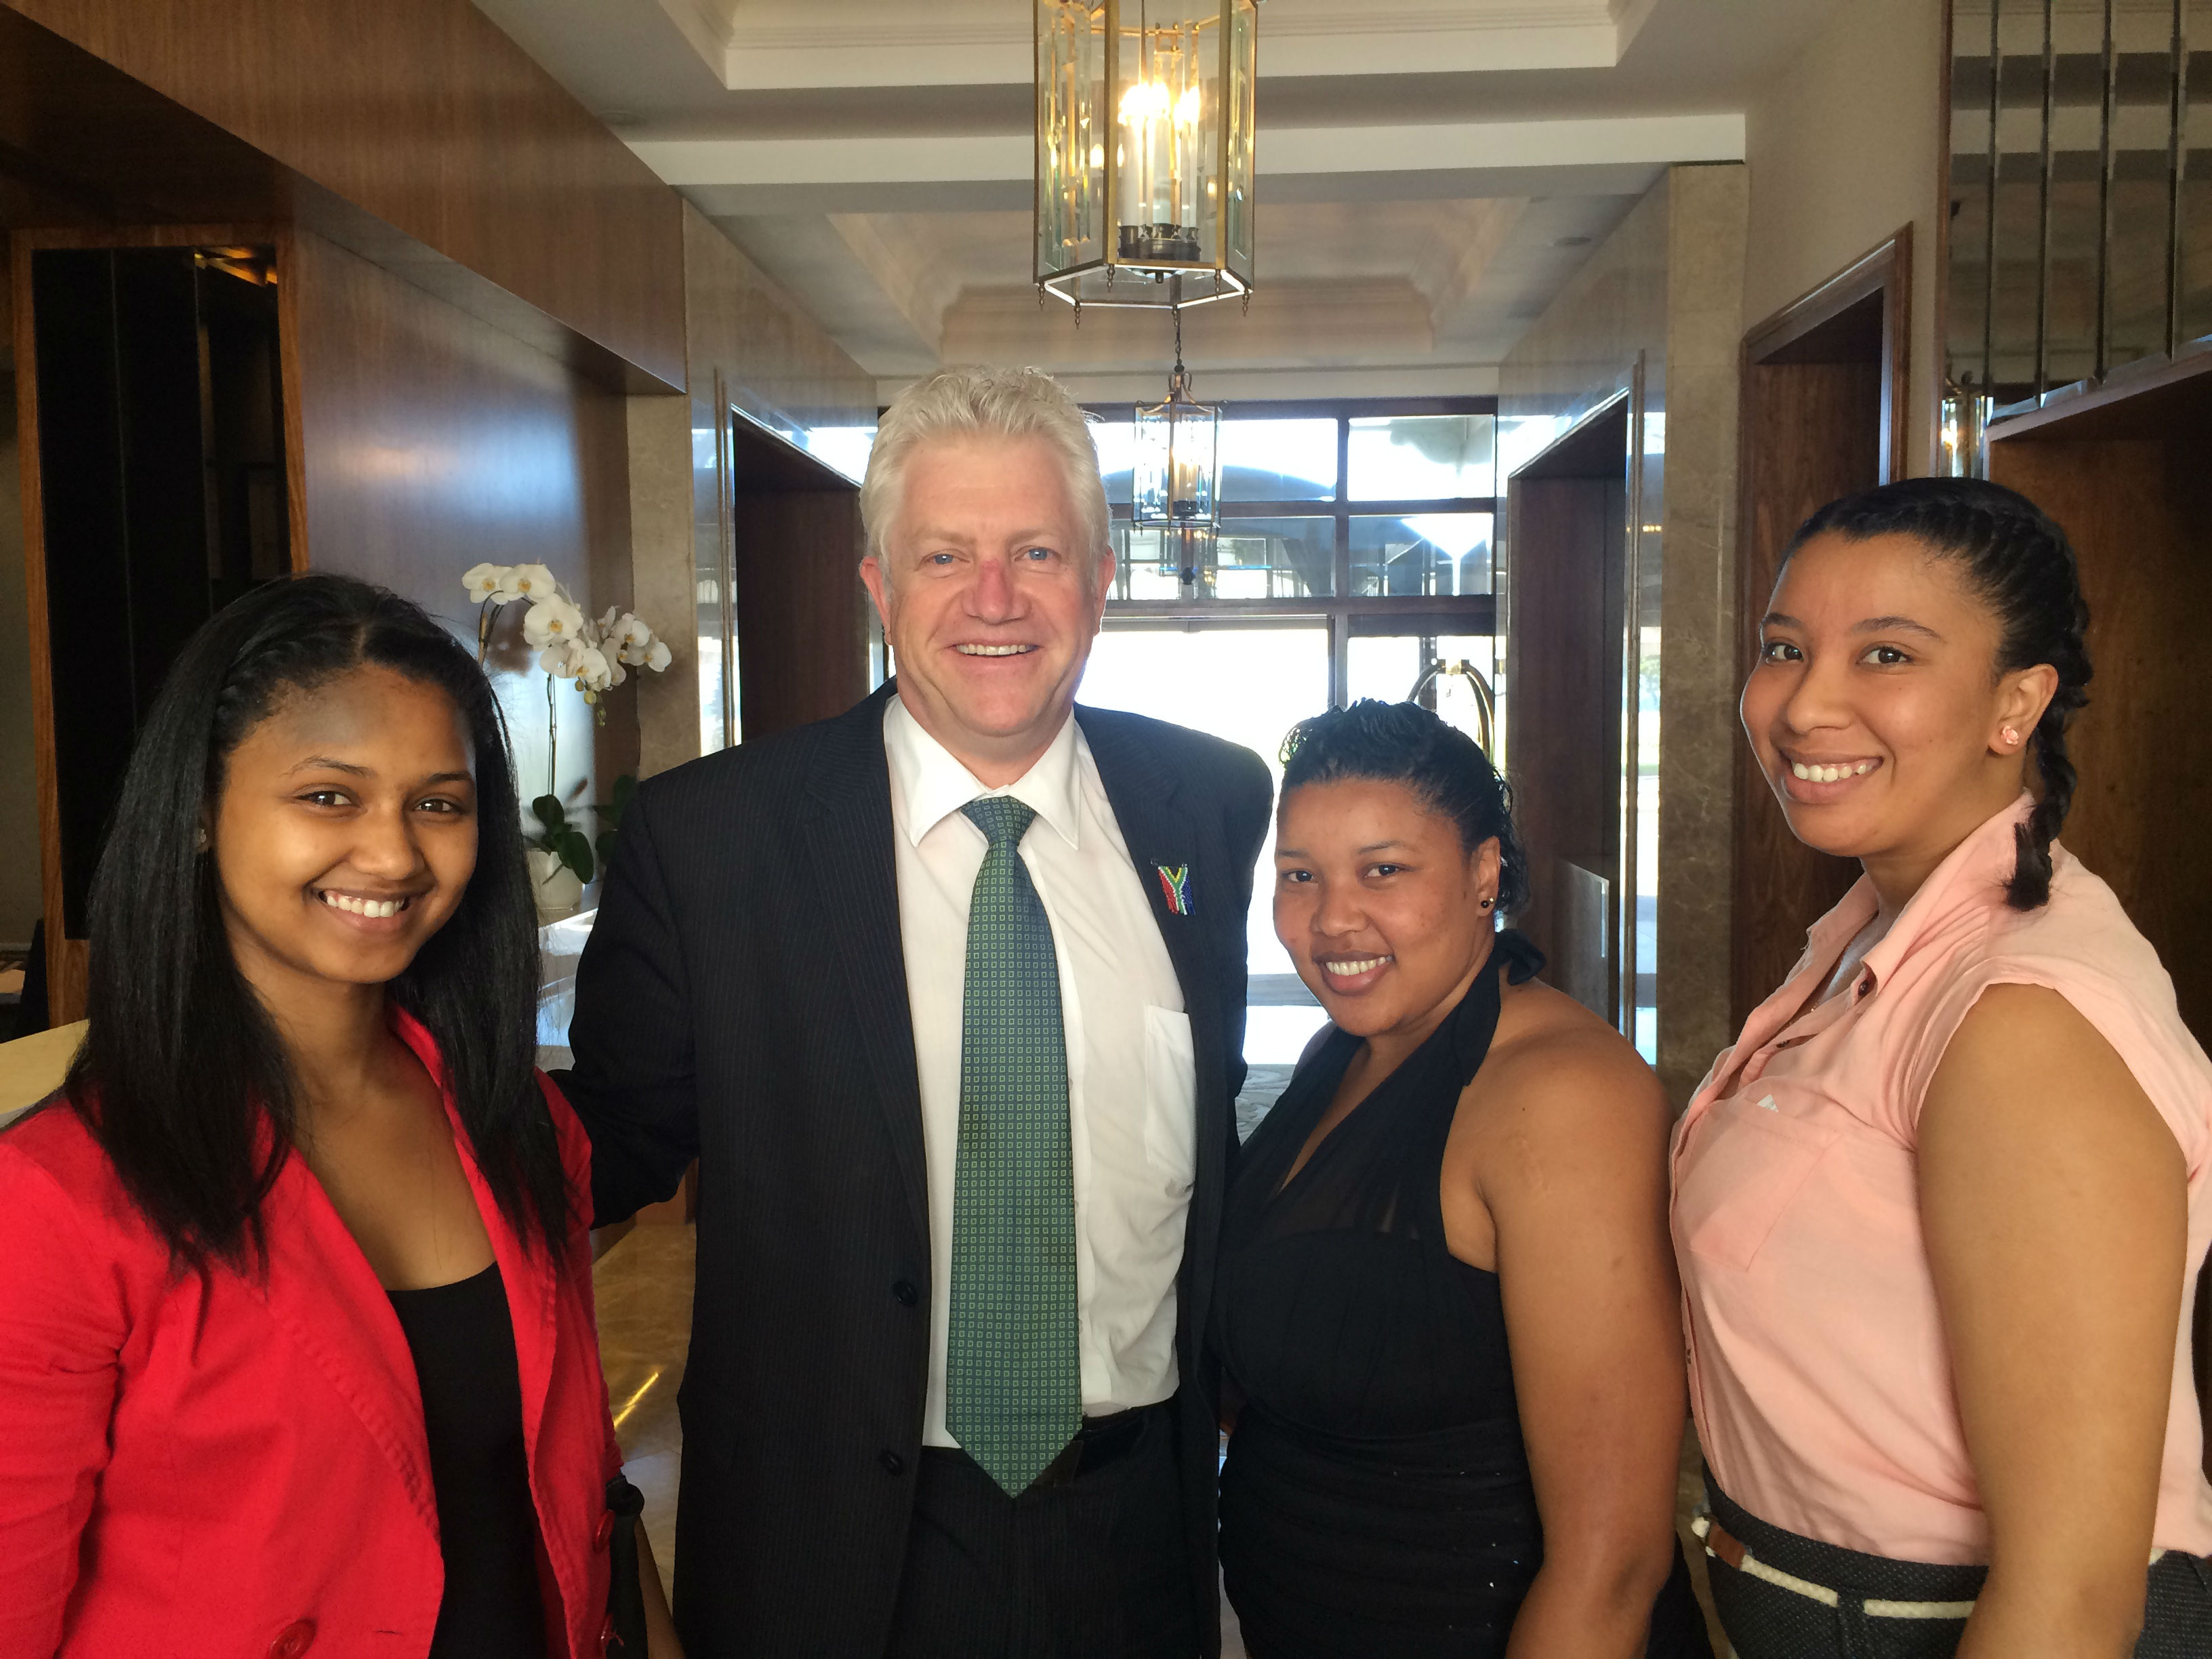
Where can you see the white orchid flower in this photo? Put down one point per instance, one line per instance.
(555, 660)
(533, 582)
(606, 622)
(589, 667)
(488, 582)
(658, 658)
(553, 620)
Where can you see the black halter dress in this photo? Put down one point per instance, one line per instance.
(1377, 1499)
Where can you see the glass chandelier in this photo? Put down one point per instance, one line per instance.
(1174, 488)
(1144, 150)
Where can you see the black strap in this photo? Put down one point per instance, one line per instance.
(625, 1591)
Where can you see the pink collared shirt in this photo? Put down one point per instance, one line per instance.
(1819, 1372)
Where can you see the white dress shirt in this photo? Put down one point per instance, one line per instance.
(1132, 1088)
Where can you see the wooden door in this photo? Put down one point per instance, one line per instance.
(1821, 415)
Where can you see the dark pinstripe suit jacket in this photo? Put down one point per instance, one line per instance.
(743, 999)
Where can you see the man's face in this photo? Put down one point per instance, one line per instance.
(990, 595)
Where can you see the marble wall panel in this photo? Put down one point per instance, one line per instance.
(749, 347)
(1656, 311)
(1699, 621)
(1844, 146)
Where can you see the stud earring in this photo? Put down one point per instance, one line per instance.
(2011, 737)
(1486, 903)
(200, 840)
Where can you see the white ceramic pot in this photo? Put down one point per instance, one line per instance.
(558, 890)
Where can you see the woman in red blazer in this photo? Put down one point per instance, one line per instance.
(296, 1338)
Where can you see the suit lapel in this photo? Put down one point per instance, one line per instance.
(856, 888)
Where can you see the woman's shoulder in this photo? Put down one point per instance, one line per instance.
(1555, 1068)
(58, 1185)
(2080, 945)
(52, 1142)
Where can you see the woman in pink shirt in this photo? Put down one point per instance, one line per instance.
(1939, 1209)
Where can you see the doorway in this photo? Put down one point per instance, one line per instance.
(783, 622)
(1572, 754)
(150, 412)
(1822, 412)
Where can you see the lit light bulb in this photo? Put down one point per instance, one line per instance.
(1185, 109)
(1147, 100)
(1098, 155)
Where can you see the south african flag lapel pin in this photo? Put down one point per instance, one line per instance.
(1175, 882)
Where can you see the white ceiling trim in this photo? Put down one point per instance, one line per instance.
(754, 45)
(1474, 145)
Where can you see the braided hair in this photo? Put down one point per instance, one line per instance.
(182, 1077)
(2021, 566)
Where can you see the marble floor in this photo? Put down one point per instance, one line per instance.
(643, 1289)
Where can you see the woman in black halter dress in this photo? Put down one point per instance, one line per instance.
(1378, 1500)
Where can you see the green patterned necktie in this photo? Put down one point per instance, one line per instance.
(1013, 1393)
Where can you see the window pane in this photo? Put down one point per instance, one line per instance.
(1117, 456)
(1138, 572)
(1387, 667)
(1252, 559)
(1278, 460)
(1276, 558)
(1398, 457)
(1426, 556)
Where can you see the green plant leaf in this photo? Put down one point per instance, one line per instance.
(611, 814)
(551, 812)
(575, 851)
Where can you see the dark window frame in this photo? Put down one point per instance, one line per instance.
(1420, 615)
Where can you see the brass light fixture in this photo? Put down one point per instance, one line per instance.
(1175, 486)
(1144, 150)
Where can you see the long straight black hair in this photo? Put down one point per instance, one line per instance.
(182, 1066)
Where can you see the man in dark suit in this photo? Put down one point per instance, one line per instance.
(947, 994)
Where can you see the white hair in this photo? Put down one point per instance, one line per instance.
(976, 401)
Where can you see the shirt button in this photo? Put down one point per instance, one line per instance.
(893, 1463)
(605, 1531)
(904, 1291)
(294, 1639)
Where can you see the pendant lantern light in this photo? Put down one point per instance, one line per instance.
(1144, 150)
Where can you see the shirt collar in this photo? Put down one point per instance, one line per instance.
(1972, 876)
(934, 784)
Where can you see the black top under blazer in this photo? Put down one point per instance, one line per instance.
(743, 1000)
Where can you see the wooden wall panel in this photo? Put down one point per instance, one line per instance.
(802, 637)
(2135, 509)
(413, 131)
(429, 441)
(1811, 433)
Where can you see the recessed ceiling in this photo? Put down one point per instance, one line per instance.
(1430, 172)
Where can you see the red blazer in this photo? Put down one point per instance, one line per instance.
(206, 1464)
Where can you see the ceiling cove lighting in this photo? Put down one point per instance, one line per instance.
(1144, 150)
